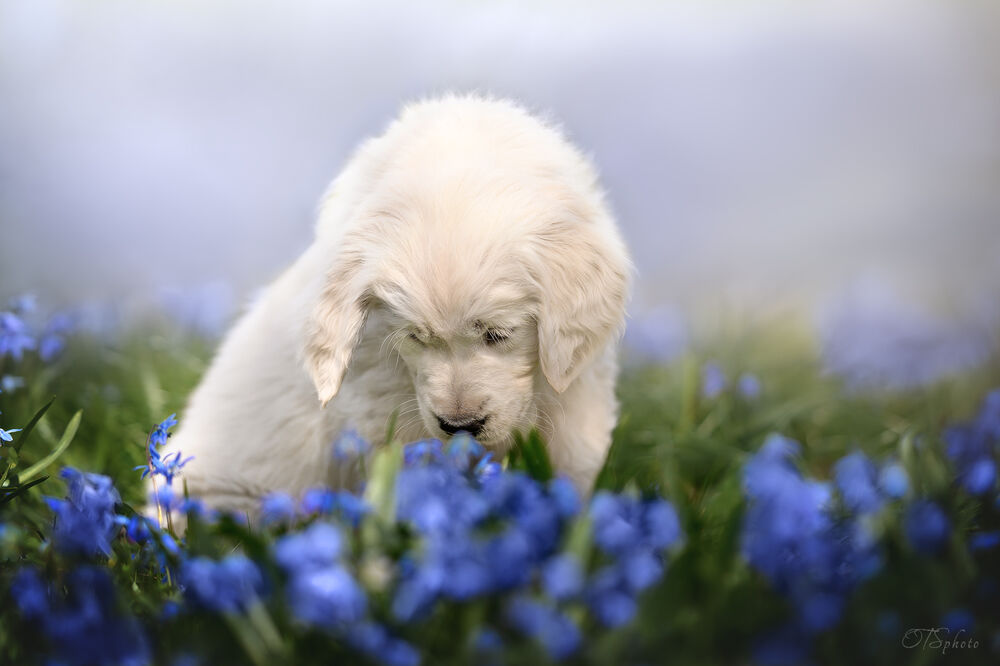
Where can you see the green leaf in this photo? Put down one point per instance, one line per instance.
(19, 490)
(64, 442)
(535, 456)
(380, 494)
(26, 431)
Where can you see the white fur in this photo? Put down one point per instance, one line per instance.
(468, 214)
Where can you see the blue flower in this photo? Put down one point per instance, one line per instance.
(158, 437)
(14, 337)
(30, 593)
(958, 620)
(487, 468)
(790, 536)
(856, 479)
(10, 383)
(23, 304)
(562, 577)
(53, 338)
(320, 590)
(170, 465)
(373, 640)
(926, 526)
(228, 585)
(609, 598)
(85, 521)
(277, 508)
(557, 633)
(350, 445)
(893, 480)
(564, 496)
(873, 339)
(787, 646)
(6, 435)
(86, 626)
(713, 380)
(970, 448)
(137, 529)
(326, 596)
(324, 501)
(984, 540)
(749, 386)
(317, 546)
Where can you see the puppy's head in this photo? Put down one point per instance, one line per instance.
(480, 252)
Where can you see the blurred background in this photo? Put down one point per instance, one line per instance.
(841, 161)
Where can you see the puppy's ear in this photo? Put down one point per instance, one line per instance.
(336, 323)
(582, 273)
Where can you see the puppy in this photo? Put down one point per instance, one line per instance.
(466, 274)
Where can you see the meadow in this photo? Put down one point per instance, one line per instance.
(772, 496)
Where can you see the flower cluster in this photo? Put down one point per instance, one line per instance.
(635, 536)
(872, 338)
(167, 466)
(224, 586)
(85, 625)
(714, 382)
(972, 447)
(793, 537)
(85, 521)
(17, 336)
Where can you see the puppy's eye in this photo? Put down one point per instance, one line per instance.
(495, 336)
(413, 336)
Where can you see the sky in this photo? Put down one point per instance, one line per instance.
(756, 154)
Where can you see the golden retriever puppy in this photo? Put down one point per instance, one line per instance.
(466, 275)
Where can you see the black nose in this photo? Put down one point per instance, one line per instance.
(471, 427)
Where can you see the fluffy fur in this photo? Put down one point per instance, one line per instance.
(465, 270)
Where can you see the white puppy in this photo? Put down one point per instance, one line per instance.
(466, 275)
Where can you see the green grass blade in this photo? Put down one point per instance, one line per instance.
(68, 434)
(26, 431)
(20, 490)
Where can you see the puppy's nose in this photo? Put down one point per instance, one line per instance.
(472, 427)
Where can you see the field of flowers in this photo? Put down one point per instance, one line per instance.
(772, 496)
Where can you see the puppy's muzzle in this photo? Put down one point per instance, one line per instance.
(471, 426)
